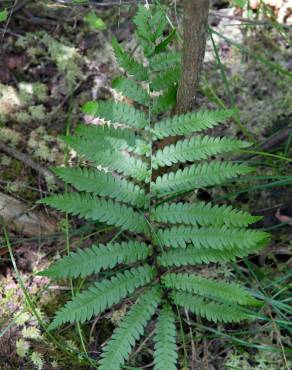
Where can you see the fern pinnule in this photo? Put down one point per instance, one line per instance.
(219, 290)
(194, 149)
(186, 124)
(165, 349)
(96, 258)
(130, 330)
(103, 295)
(215, 312)
(209, 237)
(99, 209)
(128, 63)
(201, 213)
(197, 176)
(131, 90)
(103, 184)
(192, 256)
(166, 79)
(116, 112)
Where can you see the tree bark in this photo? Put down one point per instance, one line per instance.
(194, 35)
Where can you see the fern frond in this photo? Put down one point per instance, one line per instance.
(164, 101)
(142, 21)
(197, 176)
(165, 354)
(158, 23)
(103, 184)
(195, 148)
(162, 46)
(209, 237)
(128, 63)
(186, 124)
(215, 312)
(192, 256)
(110, 137)
(102, 295)
(119, 347)
(131, 90)
(116, 112)
(164, 61)
(201, 213)
(98, 209)
(96, 258)
(113, 160)
(208, 288)
(166, 79)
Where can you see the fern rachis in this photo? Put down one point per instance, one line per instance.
(120, 190)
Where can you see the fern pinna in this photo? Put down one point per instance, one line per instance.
(133, 185)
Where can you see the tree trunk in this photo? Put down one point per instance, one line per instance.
(194, 35)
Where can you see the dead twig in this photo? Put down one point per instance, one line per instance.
(27, 161)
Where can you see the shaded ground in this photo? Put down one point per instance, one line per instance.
(53, 62)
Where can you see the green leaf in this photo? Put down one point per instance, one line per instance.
(3, 15)
(113, 160)
(165, 354)
(102, 295)
(186, 124)
(98, 209)
(96, 258)
(128, 63)
(208, 288)
(103, 184)
(198, 176)
(209, 237)
(212, 311)
(192, 256)
(166, 79)
(164, 43)
(94, 21)
(194, 149)
(118, 349)
(201, 213)
(131, 90)
(163, 61)
(164, 101)
(116, 113)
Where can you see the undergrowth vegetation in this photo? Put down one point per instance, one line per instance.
(139, 168)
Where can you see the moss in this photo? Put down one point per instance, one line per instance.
(37, 112)
(9, 136)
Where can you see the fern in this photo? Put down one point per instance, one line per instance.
(102, 295)
(94, 259)
(203, 214)
(118, 349)
(165, 354)
(127, 188)
(99, 209)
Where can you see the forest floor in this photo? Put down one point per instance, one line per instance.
(52, 62)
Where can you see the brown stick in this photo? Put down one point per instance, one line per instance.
(194, 33)
(27, 161)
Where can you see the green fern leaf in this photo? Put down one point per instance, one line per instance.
(113, 160)
(131, 90)
(110, 137)
(128, 63)
(197, 176)
(166, 79)
(102, 295)
(116, 113)
(211, 311)
(164, 101)
(164, 61)
(92, 260)
(103, 184)
(216, 289)
(118, 349)
(194, 149)
(98, 209)
(165, 354)
(158, 23)
(209, 237)
(186, 124)
(142, 21)
(203, 214)
(162, 46)
(192, 256)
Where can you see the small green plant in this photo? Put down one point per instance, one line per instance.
(134, 188)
